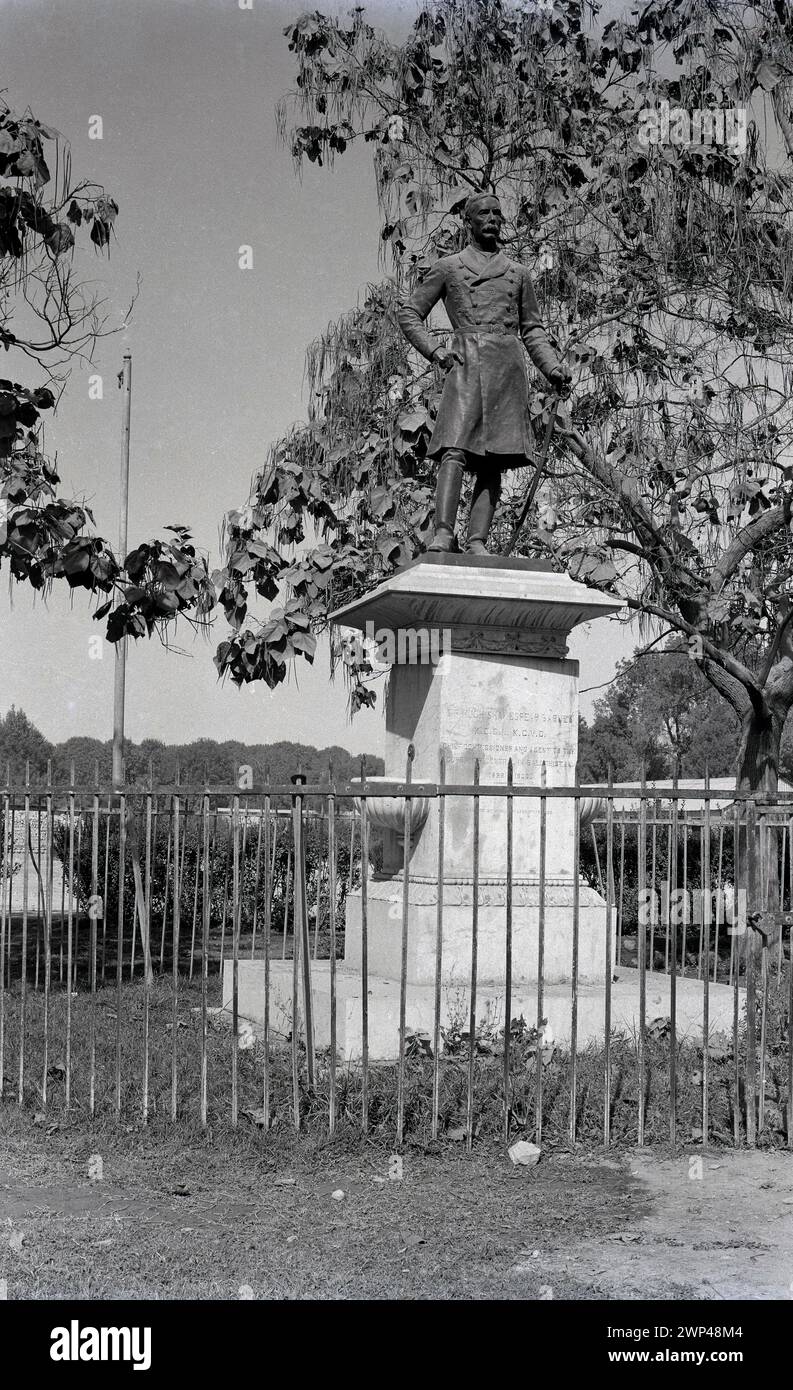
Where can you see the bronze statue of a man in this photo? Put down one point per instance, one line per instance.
(483, 420)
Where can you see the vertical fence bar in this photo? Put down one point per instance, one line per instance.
(269, 878)
(206, 908)
(243, 861)
(673, 913)
(764, 972)
(70, 953)
(77, 903)
(176, 924)
(436, 1034)
(790, 1027)
(39, 893)
(5, 880)
(597, 860)
(229, 840)
(403, 973)
(541, 950)
(286, 901)
(719, 899)
(790, 992)
(166, 887)
(24, 967)
(106, 884)
(197, 872)
(257, 871)
(122, 854)
(609, 909)
(332, 931)
(738, 923)
(235, 962)
(685, 897)
(469, 1118)
(621, 898)
(574, 963)
(47, 930)
(779, 954)
(705, 956)
(305, 942)
(183, 856)
(751, 999)
(654, 899)
(645, 900)
(701, 873)
(767, 841)
(364, 953)
(295, 978)
(62, 924)
(92, 945)
(10, 892)
(668, 910)
(147, 961)
(508, 958)
(318, 899)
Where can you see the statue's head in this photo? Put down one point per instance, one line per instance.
(484, 218)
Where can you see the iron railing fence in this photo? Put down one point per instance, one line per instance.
(126, 919)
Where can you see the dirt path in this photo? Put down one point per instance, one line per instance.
(175, 1219)
(717, 1227)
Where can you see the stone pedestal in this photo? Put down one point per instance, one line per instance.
(479, 670)
(486, 677)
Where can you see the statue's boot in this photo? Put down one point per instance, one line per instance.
(483, 509)
(447, 499)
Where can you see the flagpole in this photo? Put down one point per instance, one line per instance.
(121, 646)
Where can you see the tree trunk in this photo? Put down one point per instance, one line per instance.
(758, 771)
(758, 756)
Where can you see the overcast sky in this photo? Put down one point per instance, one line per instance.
(186, 90)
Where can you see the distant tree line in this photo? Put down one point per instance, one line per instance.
(203, 760)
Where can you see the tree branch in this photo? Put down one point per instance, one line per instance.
(747, 540)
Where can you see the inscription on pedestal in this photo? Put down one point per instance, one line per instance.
(528, 736)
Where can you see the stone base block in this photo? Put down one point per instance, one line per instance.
(383, 997)
(384, 931)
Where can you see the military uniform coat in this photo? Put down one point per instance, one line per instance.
(492, 307)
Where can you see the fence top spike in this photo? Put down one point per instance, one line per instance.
(509, 772)
(543, 773)
(411, 753)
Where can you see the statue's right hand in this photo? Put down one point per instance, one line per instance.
(445, 359)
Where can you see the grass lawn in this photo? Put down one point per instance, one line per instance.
(109, 1207)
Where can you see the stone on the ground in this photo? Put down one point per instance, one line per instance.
(525, 1154)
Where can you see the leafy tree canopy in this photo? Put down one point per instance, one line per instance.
(665, 272)
(48, 320)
